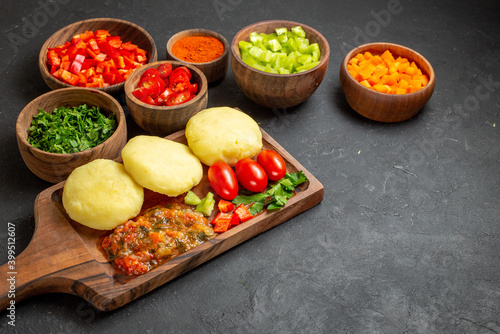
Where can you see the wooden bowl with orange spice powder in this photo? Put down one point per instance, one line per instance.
(205, 49)
(386, 82)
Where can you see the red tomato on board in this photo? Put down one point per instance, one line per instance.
(251, 175)
(223, 180)
(273, 164)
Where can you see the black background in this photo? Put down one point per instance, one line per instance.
(406, 239)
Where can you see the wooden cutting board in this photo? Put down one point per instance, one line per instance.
(63, 256)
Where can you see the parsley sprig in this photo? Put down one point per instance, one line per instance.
(275, 197)
(70, 129)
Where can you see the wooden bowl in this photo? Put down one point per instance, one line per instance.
(384, 107)
(55, 167)
(278, 90)
(164, 120)
(127, 31)
(213, 70)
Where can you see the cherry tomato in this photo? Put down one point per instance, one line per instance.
(251, 175)
(273, 164)
(165, 70)
(179, 75)
(178, 98)
(150, 72)
(185, 69)
(223, 180)
(193, 88)
(153, 82)
(163, 97)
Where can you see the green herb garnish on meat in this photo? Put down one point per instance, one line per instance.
(70, 129)
(275, 197)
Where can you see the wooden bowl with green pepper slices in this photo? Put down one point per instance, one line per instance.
(56, 167)
(127, 31)
(267, 86)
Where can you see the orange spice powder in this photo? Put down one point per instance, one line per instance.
(198, 49)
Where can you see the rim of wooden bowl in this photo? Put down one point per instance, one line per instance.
(129, 83)
(415, 56)
(197, 32)
(42, 58)
(235, 50)
(23, 134)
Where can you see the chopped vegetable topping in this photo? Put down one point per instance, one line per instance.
(94, 59)
(386, 74)
(282, 52)
(70, 129)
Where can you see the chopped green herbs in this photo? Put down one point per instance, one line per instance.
(275, 197)
(70, 129)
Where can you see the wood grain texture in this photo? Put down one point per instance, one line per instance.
(214, 70)
(278, 90)
(63, 256)
(56, 167)
(127, 31)
(165, 120)
(380, 106)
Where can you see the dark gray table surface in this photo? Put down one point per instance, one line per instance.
(406, 239)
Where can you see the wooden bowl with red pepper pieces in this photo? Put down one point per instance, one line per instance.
(274, 90)
(371, 102)
(96, 53)
(162, 105)
(56, 167)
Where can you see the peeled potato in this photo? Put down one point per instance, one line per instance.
(162, 165)
(223, 134)
(102, 195)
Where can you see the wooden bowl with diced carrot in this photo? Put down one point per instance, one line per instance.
(386, 82)
(112, 63)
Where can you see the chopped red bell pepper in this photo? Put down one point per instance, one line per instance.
(223, 222)
(93, 45)
(76, 65)
(69, 77)
(110, 59)
(114, 41)
(101, 33)
(242, 212)
(53, 58)
(129, 46)
(225, 206)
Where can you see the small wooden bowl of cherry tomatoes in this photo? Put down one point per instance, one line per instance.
(125, 47)
(164, 95)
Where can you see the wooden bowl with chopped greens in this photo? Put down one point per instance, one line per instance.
(69, 127)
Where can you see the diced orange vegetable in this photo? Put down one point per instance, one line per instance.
(381, 88)
(385, 74)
